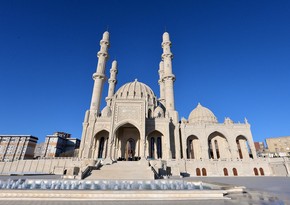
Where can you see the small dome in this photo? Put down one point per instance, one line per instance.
(202, 115)
(135, 90)
(106, 112)
(158, 112)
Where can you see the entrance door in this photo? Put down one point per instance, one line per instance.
(130, 150)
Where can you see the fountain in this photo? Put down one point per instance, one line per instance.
(108, 190)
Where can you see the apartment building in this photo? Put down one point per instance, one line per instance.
(15, 147)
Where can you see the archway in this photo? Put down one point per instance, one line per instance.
(100, 145)
(155, 150)
(243, 147)
(193, 148)
(127, 143)
(218, 146)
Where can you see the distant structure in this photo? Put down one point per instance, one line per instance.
(260, 149)
(279, 146)
(16, 147)
(57, 144)
(38, 150)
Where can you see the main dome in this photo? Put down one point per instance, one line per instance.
(202, 115)
(135, 90)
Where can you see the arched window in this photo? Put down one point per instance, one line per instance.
(235, 172)
(101, 147)
(256, 172)
(226, 172)
(152, 144)
(203, 172)
(261, 171)
(159, 148)
(197, 172)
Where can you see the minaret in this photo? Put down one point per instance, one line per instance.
(161, 83)
(112, 82)
(99, 75)
(168, 77)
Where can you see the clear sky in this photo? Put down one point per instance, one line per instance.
(231, 56)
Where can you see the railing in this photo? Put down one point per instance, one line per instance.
(156, 175)
(89, 169)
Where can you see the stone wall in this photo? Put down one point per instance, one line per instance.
(41, 166)
(210, 167)
(279, 166)
(74, 166)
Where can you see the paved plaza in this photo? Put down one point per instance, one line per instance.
(260, 190)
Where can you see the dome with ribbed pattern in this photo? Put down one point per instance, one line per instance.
(135, 90)
(202, 115)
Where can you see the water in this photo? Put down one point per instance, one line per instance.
(101, 185)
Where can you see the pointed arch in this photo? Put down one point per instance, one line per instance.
(155, 142)
(218, 146)
(193, 150)
(127, 142)
(100, 145)
(244, 150)
(126, 123)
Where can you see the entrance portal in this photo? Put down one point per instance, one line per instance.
(127, 143)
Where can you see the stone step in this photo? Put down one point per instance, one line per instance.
(123, 170)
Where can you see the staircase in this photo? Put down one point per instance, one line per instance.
(124, 170)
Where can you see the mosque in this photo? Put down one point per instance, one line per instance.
(138, 135)
(136, 125)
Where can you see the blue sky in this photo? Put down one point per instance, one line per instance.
(231, 56)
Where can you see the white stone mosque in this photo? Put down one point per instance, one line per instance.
(139, 136)
(137, 125)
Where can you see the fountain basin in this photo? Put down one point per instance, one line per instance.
(107, 195)
(102, 190)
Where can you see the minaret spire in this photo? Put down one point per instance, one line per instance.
(168, 77)
(161, 83)
(112, 82)
(99, 75)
